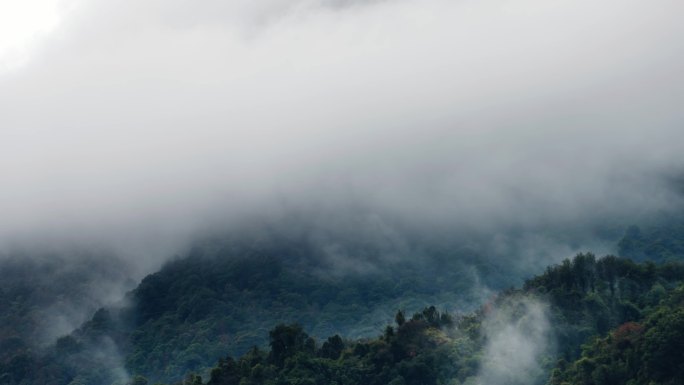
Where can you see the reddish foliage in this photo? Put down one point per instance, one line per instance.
(626, 333)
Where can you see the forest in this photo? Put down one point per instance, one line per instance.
(212, 320)
(615, 322)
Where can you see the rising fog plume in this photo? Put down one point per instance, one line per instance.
(137, 125)
(518, 340)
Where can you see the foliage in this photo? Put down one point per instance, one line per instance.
(589, 297)
(659, 242)
(196, 310)
(650, 352)
(224, 296)
(199, 308)
(435, 348)
(420, 352)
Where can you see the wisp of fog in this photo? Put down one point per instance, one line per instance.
(519, 338)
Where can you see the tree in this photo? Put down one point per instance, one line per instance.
(399, 318)
(332, 348)
(389, 333)
(286, 340)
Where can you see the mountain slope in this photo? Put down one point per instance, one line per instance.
(199, 308)
(224, 296)
(433, 348)
(649, 352)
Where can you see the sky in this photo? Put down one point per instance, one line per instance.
(140, 124)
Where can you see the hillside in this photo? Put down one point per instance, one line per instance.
(44, 296)
(647, 352)
(553, 315)
(659, 242)
(224, 296)
(559, 310)
(198, 308)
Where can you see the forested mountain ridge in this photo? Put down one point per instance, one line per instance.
(660, 242)
(647, 352)
(223, 299)
(579, 299)
(44, 296)
(201, 307)
(437, 348)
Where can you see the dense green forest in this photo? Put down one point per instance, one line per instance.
(223, 297)
(582, 298)
(224, 300)
(199, 308)
(645, 352)
(640, 304)
(659, 242)
(43, 297)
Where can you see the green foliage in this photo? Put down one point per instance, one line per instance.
(288, 340)
(589, 297)
(434, 348)
(650, 352)
(419, 352)
(34, 288)
(332, 348)
(399, 318)
(660, 242)
(197, 310)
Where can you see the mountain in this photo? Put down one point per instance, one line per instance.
(561, 309)
(46, 295)
(639, 307)
(647, 352)
(224, 298)
(224, 295)
(661, 241)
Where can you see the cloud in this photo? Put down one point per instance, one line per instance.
(143, 124)
(21, 25)
(518, 339)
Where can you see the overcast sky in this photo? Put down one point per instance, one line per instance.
(140, 123)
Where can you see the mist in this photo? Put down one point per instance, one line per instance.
(519, 340)
(141, 126)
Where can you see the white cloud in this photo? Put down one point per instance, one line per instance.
(141, 122)
(23, 24)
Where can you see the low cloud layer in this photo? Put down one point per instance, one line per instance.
(139, 125)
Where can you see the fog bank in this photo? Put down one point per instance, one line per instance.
(141, 125)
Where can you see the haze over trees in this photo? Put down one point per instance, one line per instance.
(291, 192)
